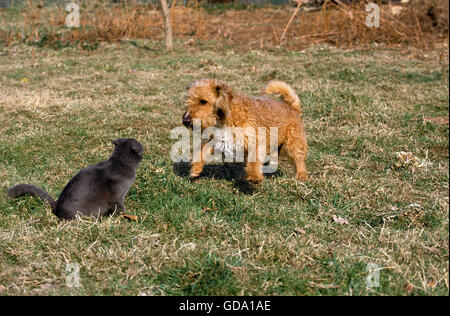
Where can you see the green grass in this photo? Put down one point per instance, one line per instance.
(217, 235)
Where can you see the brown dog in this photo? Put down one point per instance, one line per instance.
(216, 105)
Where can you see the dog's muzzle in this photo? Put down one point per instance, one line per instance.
(187, 121)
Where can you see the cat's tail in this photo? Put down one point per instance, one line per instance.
(23, 189)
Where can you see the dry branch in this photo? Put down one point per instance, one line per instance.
(299, 3)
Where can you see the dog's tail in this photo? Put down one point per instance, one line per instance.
(32, 190)
(286, 92)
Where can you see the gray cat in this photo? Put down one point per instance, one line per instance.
(96, 190)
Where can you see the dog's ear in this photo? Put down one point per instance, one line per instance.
(221, 88)
(224, 98)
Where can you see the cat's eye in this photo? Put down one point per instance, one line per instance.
(203, 102)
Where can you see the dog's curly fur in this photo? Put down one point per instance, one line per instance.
(215, 104)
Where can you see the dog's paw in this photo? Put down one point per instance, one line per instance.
(302, 176)
(254, 180)
(194, 174)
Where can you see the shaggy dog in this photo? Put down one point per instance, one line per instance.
(216, 105)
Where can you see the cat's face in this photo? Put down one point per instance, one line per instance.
(129, 147)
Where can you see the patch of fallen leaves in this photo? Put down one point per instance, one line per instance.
(340, 220)
(409, 288)
(299, 230)
(438, 120)
(408, 160)
(413, 213)
(129, 217)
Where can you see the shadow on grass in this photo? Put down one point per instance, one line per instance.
(226, 171)
(135, 44)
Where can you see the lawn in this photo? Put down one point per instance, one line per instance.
(218, 235)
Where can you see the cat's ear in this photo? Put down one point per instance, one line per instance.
(116, 141)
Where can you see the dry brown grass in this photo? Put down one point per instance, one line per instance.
(420, 25)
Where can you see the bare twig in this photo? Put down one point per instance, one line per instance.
(172, 13)
(444, 68)
(299, 3)
(420, 30)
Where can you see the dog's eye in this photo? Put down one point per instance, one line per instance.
(203, 102)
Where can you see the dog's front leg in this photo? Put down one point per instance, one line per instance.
(253, 172)
(198, 161)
